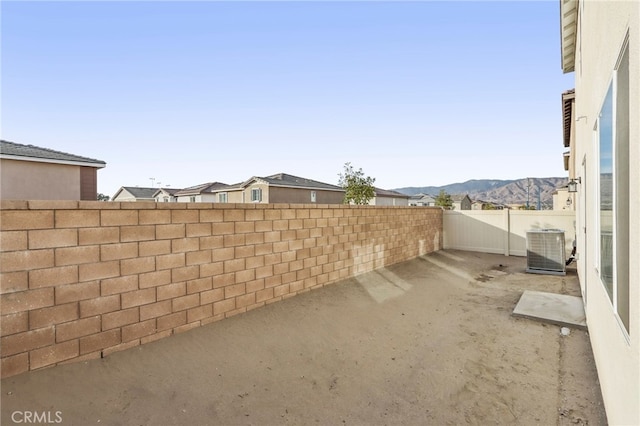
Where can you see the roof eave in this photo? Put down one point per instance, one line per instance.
(97, 165)
(567, 115)
(568, 29)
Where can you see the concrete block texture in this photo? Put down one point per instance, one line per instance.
(84, 280)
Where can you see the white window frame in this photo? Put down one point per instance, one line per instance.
(613, 84)
(223, 197)
(256, 195)
(314, 196)
(598, 197)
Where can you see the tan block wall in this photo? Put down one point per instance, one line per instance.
(80, 280)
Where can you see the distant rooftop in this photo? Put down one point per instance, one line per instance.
(139, 192)
(202, 188)
(389, 193)
(170, 191)
(19, 151)
(283, 179)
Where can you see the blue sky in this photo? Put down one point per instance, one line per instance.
(414, 93)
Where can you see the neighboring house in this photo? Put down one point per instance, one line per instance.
(134, 193)
(600, 41)
(563, 199)
(385, 197)
(568, 107)
(203, 193)
(30, 172)
(520, 206)
(487, 205)
(422, 200)
(282, 188)
(461, 202)
(166, 195)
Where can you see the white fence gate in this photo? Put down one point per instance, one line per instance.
(503, 231)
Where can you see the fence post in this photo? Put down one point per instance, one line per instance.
(507, 234)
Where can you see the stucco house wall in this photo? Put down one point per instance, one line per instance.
(563, 200)
(264, 197)
(303, 196)
(601, 28)
(166, 195)
(422, 200)
(389, 201)
(280, 188)
(385, 197)
(29, 172)
(235, 195)
(25, 180)
(123, 196)
(199, 198)
(461, 202)
(134, 194)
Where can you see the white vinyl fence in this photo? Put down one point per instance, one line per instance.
(503, 231)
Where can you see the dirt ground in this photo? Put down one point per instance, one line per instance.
(426, 342)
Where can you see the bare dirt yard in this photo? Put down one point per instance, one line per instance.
(426, 342)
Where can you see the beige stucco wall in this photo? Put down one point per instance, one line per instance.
(199, 198)
(265, 193)
(275, 194)
(560, 200)
(243, 195)
(160, 198)
(302, 196)
(26, 180)
(389, 201)
(235, 196)
(601, 32)
(124, 196)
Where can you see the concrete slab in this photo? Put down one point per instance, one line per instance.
(558, 309)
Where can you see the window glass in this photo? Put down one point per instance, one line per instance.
(606, 192)
(613, 150)
(256, 194)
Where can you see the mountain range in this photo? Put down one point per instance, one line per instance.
(498, 191)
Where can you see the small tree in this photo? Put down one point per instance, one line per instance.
(102, 197)
(488, 206)
(358, 188)
(444, 200)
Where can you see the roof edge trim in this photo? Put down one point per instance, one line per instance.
(568, 31)
(97, 165)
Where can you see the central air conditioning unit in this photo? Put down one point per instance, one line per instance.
(545, 252)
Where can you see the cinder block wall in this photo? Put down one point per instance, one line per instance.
(81, 280)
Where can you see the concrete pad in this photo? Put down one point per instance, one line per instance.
(559, 309)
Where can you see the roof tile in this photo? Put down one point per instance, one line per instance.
(19, 150)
